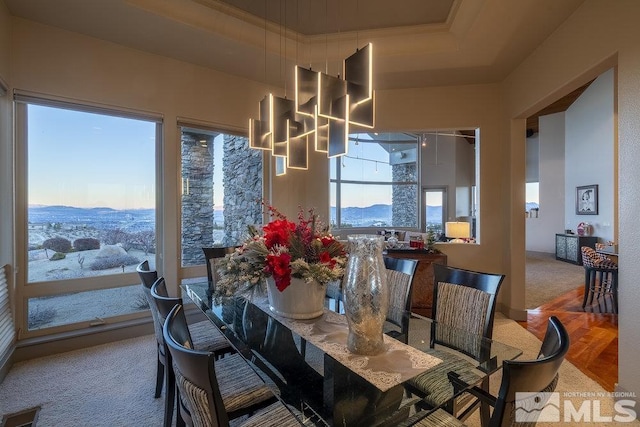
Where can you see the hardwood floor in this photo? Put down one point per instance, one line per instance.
(594, 334)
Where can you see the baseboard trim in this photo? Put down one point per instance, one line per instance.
(59, 343)
(515, 314)
(5, 364)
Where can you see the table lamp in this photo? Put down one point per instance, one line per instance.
(457, 231)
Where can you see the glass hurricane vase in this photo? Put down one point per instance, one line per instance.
(366, 294)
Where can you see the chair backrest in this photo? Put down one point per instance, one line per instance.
(463, 300)
(400, 275)
(531, 377)
(211, 255)
(148, 278)
(592, 259)
(195, 374)
(163, 302)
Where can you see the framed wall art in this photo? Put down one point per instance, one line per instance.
(587, 200)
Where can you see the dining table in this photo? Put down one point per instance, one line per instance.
(327, 385)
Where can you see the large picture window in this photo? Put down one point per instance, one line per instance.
(90, 210)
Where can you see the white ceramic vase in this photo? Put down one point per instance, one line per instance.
(299, 300)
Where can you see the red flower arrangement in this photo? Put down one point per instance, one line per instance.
(284, 250)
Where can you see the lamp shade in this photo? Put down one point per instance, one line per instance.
(457, 231)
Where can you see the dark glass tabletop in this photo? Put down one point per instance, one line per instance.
(315, 374)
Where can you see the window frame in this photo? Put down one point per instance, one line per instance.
(26, 290)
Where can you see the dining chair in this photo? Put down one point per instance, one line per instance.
(211, 256)
(400, 277)
(148, 278)
(205, 335)
(212, 392)
(521, 396)
(334, 293)
(464, 304)
(600, 277)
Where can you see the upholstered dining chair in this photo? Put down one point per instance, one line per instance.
(148, 278)
(334, 293)
(600, 277)
(211, 256)
(400, 276)
(211, 392)
(529, 377)
(463, 300)
(204, 334)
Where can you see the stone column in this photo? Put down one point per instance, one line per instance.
(404, 212)
(242, 178)
(197, 196)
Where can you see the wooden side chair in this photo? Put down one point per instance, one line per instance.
(532, 378)
(205, 335)
(400, 276)
(464, 304)
(211, 392)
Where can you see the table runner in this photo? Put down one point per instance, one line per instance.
(399, 363)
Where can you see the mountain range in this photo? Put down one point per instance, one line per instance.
(137, 219)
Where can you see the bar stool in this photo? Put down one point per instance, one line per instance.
(601, 278)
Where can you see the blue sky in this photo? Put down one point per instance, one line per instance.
(90, 160)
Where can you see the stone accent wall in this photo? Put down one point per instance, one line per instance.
(404, 211)
(197, 196)
(242, 169)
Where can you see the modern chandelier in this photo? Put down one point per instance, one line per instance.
(323, 109)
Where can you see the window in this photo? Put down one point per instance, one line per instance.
(90, 210)
(376, 183)
(532, 199)
(435, 209)
(221, 182)
(407, 180)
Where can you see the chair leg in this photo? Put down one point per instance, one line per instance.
(587, 274)
(169, 397)
(592, 286)
(303, 347)
(159, 377)
(485, 408)
(614, 291)
(179, 420)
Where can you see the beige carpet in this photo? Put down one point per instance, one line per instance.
(547, 278)
(112, 384)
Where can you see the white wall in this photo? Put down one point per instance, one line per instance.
(533, 158)
(451, 165)
(541, 231)
(589, 153)
(465, 174)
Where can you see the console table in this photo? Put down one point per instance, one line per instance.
(422, 296)
(568, 247)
